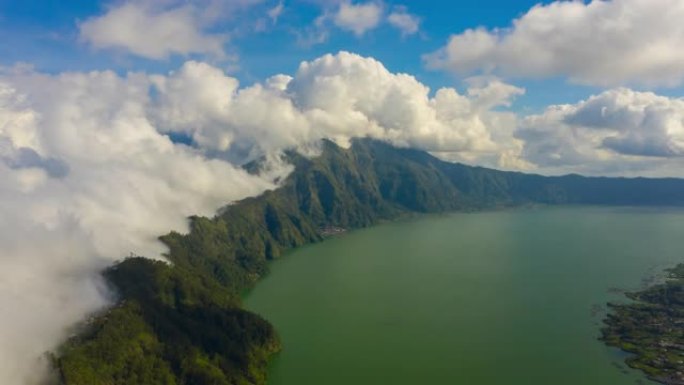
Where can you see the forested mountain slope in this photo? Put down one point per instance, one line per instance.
(182, 323)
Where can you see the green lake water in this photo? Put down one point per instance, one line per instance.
(506, 298)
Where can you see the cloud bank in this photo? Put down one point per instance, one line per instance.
(604, 43)
(90, 174)
(338, 97)
(619, 131)
(87, 180)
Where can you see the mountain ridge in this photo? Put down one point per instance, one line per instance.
(183, 323)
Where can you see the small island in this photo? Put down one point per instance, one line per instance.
(651, 327)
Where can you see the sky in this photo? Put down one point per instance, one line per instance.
(119, 119)
(48, 35)
(560, 53)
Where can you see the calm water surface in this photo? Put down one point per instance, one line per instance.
(509, 297)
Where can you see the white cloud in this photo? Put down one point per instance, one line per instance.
(275, 12)
(401, 19)
(87, 179)
(338, 97)
(619, 131)
(90, 174)
(316, 33)
(151, 32)
(358, 18)
(606, 43)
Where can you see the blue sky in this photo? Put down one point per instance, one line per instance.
(46, 34)
(555, 86)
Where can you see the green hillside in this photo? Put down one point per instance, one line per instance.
(183, 323)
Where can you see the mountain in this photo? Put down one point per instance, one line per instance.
(182, 323)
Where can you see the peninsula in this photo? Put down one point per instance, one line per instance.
(651, 327)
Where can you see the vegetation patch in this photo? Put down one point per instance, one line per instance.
(651, 327)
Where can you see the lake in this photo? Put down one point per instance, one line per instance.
(505, 297)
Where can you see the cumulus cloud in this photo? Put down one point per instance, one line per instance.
(337, 97)
(152, 32)
(358, 18)
(606, 43)
(401, 19)
(619, 131)
(91, 174)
